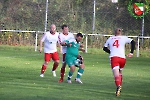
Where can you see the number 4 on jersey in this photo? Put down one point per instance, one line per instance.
(116, 43)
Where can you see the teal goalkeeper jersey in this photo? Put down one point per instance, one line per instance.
(74, 49)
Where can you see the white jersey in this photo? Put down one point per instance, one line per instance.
(50, 42)
(117, 45)
(63, 38)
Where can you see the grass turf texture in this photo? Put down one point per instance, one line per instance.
(20, 69)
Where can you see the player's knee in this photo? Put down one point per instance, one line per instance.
(57, 61)
(72, 68)
(82, 66)
(64, 65)
(46, 63)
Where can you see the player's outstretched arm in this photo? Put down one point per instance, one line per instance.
(81, 45)
(132, 49)
(82, 49)
(64, 43)
(106, 50)
(132, 46)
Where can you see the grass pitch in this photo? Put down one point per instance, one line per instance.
(20, 70)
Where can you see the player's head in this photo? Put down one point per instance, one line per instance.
(79, 37)
(118, 31)
(65, 29)
(53, 28)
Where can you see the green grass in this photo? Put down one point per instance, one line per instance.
(20, 69)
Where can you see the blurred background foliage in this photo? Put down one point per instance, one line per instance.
(77, 14)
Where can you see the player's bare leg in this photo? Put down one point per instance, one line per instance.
(116, 72)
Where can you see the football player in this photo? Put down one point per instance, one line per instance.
(50, 40)
(115, 46)
(72, 55)
(65, 35)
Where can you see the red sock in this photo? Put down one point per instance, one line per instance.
(62, 71)
(117, 81)
(55, 65)
(121, 79)
(43, 69)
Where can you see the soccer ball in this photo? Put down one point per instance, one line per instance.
(77, 62)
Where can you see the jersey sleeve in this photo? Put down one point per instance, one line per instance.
(128, 40)
(107, 43)
(72, 35)
(43, 37)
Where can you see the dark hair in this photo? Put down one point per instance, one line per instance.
(62, 27)
(79, 34)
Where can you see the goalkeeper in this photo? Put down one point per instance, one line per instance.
(73, 59)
